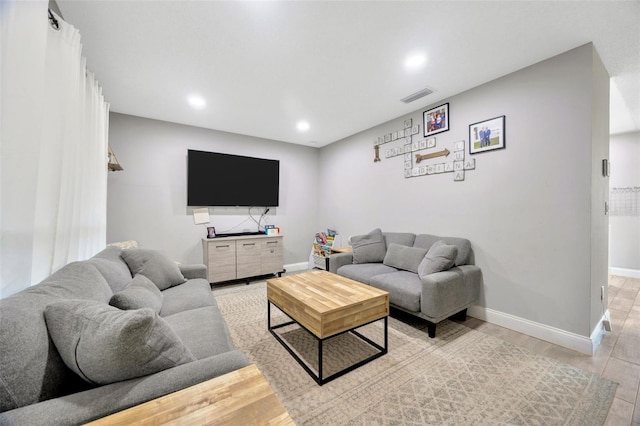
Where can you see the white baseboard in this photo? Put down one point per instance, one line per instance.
(576, 342)
(293, 267)
(598, 331)
(623, 272)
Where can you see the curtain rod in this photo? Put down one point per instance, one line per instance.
(53, 21)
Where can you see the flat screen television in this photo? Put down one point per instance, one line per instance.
(215, 179)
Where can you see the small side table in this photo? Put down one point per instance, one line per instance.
(336, 250)
(341, 250)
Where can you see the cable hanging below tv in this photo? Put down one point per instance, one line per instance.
(225, 180)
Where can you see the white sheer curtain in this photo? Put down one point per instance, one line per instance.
(53, 164)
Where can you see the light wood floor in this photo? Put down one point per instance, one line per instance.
(617, 357)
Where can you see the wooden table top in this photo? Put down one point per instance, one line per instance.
(326, 303)
(341, 249)
(239, 397)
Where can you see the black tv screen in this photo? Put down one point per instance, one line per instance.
(215, 179)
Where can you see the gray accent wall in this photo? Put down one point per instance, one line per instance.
(147, 202)
(625, 229)
(534, 212)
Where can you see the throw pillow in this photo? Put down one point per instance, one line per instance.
(103, 344)
(403, 257)
(139, 293)
(369, 248)
(154, 265)
(440, 257)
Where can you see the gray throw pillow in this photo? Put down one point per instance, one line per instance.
(103, 344)
(403, 257)
(154, 265)
(440, 257)
(139, 293)
(369, 248)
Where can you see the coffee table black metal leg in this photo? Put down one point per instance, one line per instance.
(386, 334)
(320, 360)
(319, 379)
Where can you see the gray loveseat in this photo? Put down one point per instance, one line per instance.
(57, 368)
(428, 276)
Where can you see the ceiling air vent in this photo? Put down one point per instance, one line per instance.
(422, 93)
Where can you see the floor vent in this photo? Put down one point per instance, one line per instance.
(421, 94)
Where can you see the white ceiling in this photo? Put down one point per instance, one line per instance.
(263, 66)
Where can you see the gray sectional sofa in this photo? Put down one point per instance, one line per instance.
(67, 356)
(428, 276)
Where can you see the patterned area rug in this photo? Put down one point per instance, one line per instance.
(462, 377)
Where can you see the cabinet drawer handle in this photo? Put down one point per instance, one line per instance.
(223, 246)
(248, 244)
(272, 242)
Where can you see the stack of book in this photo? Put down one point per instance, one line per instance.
(323, 243)
(322, 247)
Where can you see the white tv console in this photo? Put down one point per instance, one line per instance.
(242, 256)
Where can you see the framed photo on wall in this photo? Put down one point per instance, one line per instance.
(487, 135)
(436, 120)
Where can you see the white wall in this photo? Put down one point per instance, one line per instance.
(599, 189)
(147, 201)
(527, 209)
(625, 230)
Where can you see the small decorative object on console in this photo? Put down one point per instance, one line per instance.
(211, 232)
(271, 230)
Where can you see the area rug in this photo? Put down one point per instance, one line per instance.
(462, 377)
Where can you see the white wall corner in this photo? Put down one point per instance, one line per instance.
(623, 272)
(544, 332)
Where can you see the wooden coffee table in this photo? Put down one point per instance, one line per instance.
(239, 397)
(327, 305)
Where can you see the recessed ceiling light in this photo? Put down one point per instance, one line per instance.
(197, 102)
(415, 61)
(302, 126)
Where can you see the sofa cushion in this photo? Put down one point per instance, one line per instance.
(464, 246)
(140, 293)
(403, 257)
(193, 294)
(31, 370)
(103, 344)
(402, 238)
(113, 268)
(440, 257)
(368, 248)
(364, 272)
(209, 337)
(404, 287)
(154, 265)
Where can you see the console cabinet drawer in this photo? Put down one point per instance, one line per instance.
(271, 256)
(248, 258)
(221, 260)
